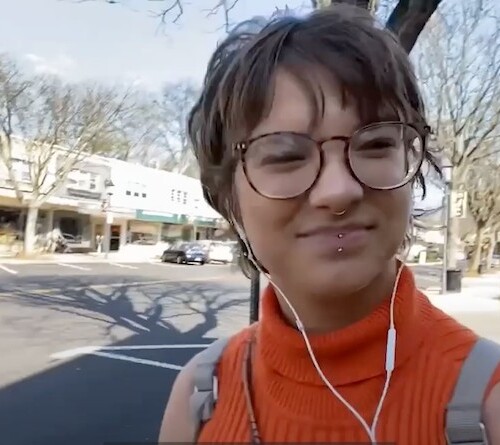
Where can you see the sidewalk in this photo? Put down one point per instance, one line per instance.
(479, 294)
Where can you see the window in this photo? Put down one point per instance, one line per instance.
(172, 195)
(21, 170)
(92, 181)
(184, 198)
(136, 189)
(82, 180)
(179, 194)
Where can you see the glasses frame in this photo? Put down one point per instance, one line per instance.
(423, 130)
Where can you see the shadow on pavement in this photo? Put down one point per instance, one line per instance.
(92, 400)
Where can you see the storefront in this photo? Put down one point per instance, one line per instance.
(203, 228)
(151, 227)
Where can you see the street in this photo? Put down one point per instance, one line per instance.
(89, 350)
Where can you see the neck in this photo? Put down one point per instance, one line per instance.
(338, 311)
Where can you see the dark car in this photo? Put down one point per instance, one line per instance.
(185, 253)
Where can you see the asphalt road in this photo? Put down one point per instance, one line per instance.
(150, 318)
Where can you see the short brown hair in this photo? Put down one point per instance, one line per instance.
(343, 42)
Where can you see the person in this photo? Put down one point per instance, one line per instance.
(312, 141)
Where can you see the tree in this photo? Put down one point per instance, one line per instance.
(47, 128)
(460, 76)
(174, 106)
(407, 18)
(484, 188)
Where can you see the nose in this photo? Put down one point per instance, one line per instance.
(336, 189)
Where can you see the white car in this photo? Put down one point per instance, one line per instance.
(219, 252)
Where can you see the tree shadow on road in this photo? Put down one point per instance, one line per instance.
(141, 309)
(92, 400)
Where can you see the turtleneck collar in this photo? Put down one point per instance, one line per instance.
(352, 354)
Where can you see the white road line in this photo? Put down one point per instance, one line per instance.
(124, 266)
(145, 347)
(140, 361)
(73, 266)
(8, 270)
(69, 353)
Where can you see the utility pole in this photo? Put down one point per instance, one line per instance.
(254, 295)
(446, 238)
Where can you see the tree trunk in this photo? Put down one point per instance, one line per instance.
(489, 254)
(30, 229)
(495, 237)
(478, 249)
(407, 19)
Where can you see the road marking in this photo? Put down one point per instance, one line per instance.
(124, 266)
(73, 266)
(140, 361)
(8, 270)
(83, 350)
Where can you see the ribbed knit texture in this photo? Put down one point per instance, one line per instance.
(293, 405)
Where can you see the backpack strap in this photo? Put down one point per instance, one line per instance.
(464, 423)
(203, 399)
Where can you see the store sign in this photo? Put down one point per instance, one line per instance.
(164, 217)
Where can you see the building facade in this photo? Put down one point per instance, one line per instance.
(142, 205)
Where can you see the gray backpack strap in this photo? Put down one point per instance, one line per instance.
(203, 399)
(464, 423)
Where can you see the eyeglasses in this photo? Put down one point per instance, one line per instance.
(381, 156)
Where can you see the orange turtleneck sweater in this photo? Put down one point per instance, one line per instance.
(292, 404)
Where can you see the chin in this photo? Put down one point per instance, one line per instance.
(344, 276)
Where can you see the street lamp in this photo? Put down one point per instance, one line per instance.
(447, 169)
(106, 203)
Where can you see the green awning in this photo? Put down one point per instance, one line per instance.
(164, 217)
(205, 222)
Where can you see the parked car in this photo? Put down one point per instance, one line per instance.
(185, 253)
(220, 252)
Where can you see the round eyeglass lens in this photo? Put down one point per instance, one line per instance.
(386, 155)
(282, 165)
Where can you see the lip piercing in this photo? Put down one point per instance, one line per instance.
(340, 249)
(339, 213)
(340, 235)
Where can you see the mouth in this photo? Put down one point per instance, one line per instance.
(337, 239)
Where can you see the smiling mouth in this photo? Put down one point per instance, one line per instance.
(337, 240)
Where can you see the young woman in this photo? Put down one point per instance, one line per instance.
(311, 137)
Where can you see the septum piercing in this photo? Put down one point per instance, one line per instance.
(339, 213)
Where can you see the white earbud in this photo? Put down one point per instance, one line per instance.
(390, 354)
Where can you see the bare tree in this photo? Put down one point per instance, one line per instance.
(483, 179)
(46, 129)
(174, 106)
(133, 136)
(460, 76)
(407, 18)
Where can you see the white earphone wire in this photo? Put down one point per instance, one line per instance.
(390, 349)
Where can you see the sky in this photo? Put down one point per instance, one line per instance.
(120, 44)
(115, 43)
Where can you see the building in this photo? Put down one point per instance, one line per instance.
(142, 205)
(167, 206)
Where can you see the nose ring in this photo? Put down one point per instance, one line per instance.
(339, 213)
